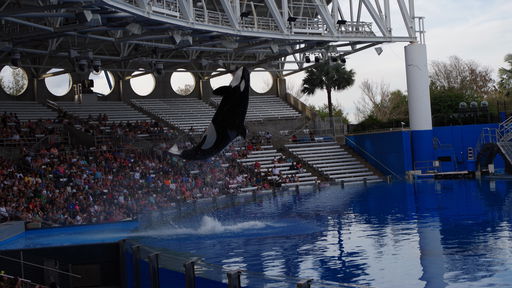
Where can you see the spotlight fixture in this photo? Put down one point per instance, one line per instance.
(83, 65)
(159, 68)
(245, 14)
(96, 65)
(334, 59)
(292, 19)
(317, 59)
(342, 59)
(341, 22)
(307, 59)
(15, 59)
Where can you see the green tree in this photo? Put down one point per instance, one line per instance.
(13, 80)
(473, 81)
(323, 112)
(331, 77)
(381, 103)
(185, 90)
(505, 78)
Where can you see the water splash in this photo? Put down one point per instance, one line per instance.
(210, 225)
(207, 226)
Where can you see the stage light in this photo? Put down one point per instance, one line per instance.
(341, 22)
(342, 59)
(245, 14)
(83, 65)
(317, 59)
(15, 59)
(96, 65)
(292, 19)
(159, 69)
(307, 59)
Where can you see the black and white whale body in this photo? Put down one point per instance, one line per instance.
(228, 121)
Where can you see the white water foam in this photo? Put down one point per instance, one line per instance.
(207, 226)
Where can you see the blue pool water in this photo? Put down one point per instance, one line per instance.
(450, 233)
(71, 235)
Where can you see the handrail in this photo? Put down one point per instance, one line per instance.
(28, 282)
(303, 25)
(40, 266)
(380, 163)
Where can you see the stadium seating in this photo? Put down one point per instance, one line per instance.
(268, 158)
(183, 113)
(332, 161)
(267, 107)
(116, 111)
(27, 110)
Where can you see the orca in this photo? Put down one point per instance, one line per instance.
(227, 122)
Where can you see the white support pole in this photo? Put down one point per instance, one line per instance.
(420, 117)
(418, 86)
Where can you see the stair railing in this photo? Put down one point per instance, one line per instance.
(375, 159)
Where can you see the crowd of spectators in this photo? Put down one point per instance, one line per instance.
(15, 132)
(60, 184)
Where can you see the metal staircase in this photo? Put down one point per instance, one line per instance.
(502, 136)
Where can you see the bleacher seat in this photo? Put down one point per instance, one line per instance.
(27, 110)
(184, 113)
(331, 160)
(116, 111)
(267, 107)
(266, 157)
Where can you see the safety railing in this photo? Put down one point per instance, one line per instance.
(301, 25)
(385, 167)
(488, 135)
(187, 270)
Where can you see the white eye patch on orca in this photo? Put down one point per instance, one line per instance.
(237, 78)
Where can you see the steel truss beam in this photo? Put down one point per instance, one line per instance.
(191, 34)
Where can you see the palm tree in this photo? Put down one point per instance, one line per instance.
(329, 77)
(505, 82)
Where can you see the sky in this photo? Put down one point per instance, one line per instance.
(479, 30)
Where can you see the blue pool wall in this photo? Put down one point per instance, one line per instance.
(166, 277)
(392, 151)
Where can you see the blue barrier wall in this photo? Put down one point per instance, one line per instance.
(392, 150)
(455, 140)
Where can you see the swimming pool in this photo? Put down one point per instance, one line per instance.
(448, 233)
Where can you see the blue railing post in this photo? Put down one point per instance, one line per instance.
(190, 274)
(305, 283)
(234, 279)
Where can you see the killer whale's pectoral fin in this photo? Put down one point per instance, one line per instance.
(174, 150)
(209, 137)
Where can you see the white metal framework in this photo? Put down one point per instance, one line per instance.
(198, 35)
